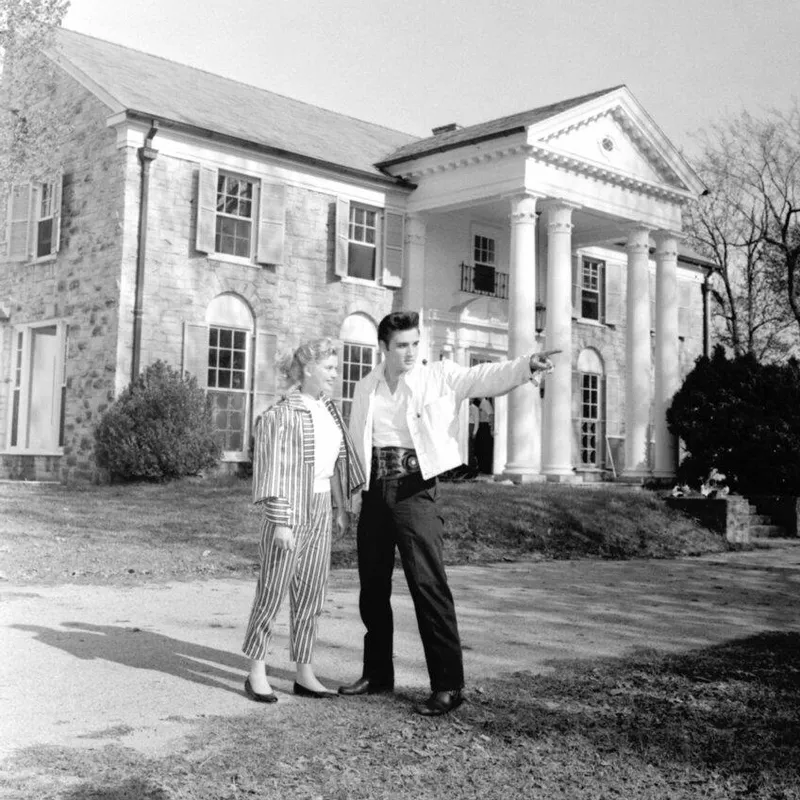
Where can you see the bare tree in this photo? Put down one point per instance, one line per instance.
(30, 125)
(747, 225)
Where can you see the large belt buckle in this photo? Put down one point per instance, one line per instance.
(394, 462)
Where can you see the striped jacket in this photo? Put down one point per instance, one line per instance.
(283, 460)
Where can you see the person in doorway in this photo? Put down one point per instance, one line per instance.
(404, 423)
(304, 471)
(484, 436)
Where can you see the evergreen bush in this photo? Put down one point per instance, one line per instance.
(159, 428)
(742, 418)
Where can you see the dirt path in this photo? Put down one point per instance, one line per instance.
(87, 665)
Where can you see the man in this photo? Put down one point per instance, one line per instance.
(404, 425)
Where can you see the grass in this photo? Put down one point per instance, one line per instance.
(196, 528)
(720, 722)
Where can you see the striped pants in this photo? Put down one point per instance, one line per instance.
(303, 572)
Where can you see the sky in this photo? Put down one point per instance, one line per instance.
(416, 64)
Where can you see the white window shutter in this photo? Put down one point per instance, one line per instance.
(5, 218)
(393, 236)
(20, 222)
(342, 237)
(613, 406)
(195, 352)
(206, 210)
(57, 181)
(265, 384)
(576, 287)
(613, 293)
(271, 224)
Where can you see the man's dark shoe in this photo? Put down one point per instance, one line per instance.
(366, 686)
(440, 703)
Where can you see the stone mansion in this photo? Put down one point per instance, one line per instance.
(214, 225)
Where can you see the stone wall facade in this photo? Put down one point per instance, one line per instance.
(79, 287)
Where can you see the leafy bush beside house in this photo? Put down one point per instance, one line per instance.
(742, 418)
(159, 428)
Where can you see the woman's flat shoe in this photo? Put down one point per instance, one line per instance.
(302, 691)
(271, 697)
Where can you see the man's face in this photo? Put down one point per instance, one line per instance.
(401, 354)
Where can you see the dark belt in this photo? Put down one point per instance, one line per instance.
(393, 462)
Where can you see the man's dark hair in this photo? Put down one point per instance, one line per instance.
(397, 321)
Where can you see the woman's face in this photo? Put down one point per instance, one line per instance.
(320, 376)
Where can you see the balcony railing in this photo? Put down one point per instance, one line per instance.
(485, 280)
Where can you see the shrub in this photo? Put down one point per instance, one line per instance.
(742, 418)
(158, 429)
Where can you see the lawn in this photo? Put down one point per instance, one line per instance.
(720, 722)
(195, 527)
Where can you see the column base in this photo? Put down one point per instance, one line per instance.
(521, 475)
(635, 476)
(566, 478)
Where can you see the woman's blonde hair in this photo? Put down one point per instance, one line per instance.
(291, 366)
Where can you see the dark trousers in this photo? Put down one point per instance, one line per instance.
(402, 513)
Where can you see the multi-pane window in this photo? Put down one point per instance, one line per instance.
(227, 385)
(591, 282)
(45, 221)
(235, 209)
(363, 240)
(483, 252)
(590, 420)
(357, 361)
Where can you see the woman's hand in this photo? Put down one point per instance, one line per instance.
(283, 538)
(341, 521)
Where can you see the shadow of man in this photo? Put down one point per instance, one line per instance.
(142, 649)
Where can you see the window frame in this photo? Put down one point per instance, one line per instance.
(348, 383)
(224, 175)
(246, 389)
(598, 292)
(352, 242)
(597, 421)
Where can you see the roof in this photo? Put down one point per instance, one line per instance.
(493, 129)
(169, 91)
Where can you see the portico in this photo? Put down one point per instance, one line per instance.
(590, 176)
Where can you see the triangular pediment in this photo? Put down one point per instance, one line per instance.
(613, 134)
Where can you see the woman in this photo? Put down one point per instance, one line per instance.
(304, 472)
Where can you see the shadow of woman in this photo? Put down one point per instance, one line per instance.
(142, 649)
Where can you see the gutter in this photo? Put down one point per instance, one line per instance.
(146, 157)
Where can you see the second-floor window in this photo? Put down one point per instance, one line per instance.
(363, 242)
(235, 206)
(483, 253)
(591, 288)
(32, 217)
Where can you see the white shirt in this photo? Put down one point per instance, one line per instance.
(389, 421)
(327, 442)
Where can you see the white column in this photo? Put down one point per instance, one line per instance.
(637, 354)
(667, 369)
(557, 424)
(524, 448)
(413, 291)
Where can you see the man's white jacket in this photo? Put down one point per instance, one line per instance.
(437, 391)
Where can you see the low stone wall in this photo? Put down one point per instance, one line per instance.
(728, 516)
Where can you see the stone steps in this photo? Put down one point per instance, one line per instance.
(762, 527)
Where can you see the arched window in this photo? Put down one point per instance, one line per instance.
(590, 402)
(359, 336)
(230, 336)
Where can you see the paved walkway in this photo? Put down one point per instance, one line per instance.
(87, 665)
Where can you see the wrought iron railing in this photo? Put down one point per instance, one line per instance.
(485, 280)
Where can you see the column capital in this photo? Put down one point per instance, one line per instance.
(523, 206)
(667, 242)
(638, 238)
(415, 229)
